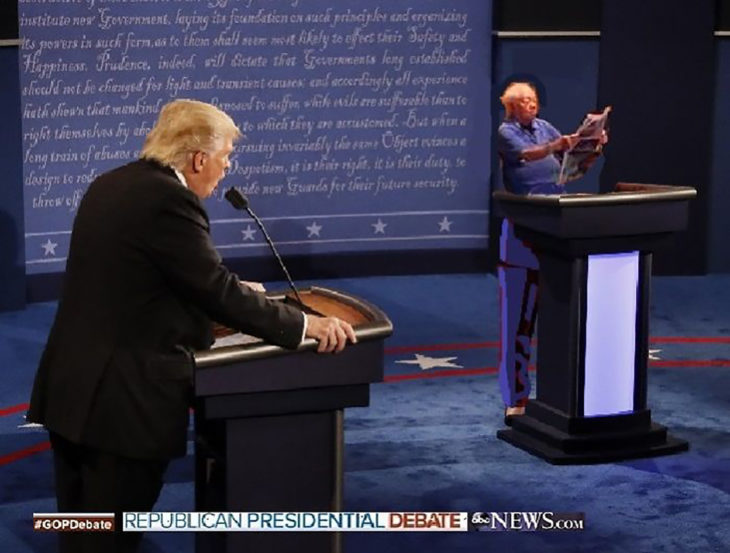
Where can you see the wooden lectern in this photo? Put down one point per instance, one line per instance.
(269, 426)
(593, 329)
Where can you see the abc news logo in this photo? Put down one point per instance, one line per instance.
(525, 521)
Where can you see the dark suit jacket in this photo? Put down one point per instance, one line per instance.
(142, 283)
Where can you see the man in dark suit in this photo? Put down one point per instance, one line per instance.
(143, 283)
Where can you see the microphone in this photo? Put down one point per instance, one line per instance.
(240, 202)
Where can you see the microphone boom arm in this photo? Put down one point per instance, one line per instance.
(239, 201)
(276, 253)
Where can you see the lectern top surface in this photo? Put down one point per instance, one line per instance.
(325, 303)
(329, 306)
(624, 193)
(368, 321)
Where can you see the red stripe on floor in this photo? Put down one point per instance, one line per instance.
(439, 374)
(14, 409)
(483, 345)
(493, 370)
(44, 446)
(690, 339)
(692, 363)
(23, 453)
(440, 347)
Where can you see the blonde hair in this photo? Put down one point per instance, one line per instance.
(185, 127)
(514, 91)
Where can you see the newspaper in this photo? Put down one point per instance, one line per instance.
(578, 159)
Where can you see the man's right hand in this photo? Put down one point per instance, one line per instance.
(568, 142)
(331, 333)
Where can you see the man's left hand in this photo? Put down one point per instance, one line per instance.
(331, 333)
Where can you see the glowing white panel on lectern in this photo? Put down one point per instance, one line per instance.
(610, 355)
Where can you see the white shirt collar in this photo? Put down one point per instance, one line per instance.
(181, 177)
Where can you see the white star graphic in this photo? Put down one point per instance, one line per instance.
(426, 362)
(653, 355)
(30, 425)
(49, 247)
(379, 227)
(314, 229)
(445, 225)
(248, 233)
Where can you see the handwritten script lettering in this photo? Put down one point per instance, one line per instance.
(342, 102)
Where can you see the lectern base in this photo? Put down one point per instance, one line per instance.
(561, 448)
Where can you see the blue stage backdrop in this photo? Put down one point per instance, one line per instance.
(367, 122)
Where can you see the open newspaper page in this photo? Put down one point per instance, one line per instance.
(578, 159)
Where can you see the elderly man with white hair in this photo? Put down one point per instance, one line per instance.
(530, 151)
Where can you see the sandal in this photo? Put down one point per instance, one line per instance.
(511, 412)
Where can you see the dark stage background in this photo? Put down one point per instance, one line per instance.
(670, 122)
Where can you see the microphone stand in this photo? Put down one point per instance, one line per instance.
(239, 201)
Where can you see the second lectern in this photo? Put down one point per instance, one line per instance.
(595, 254)
(269, 426)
